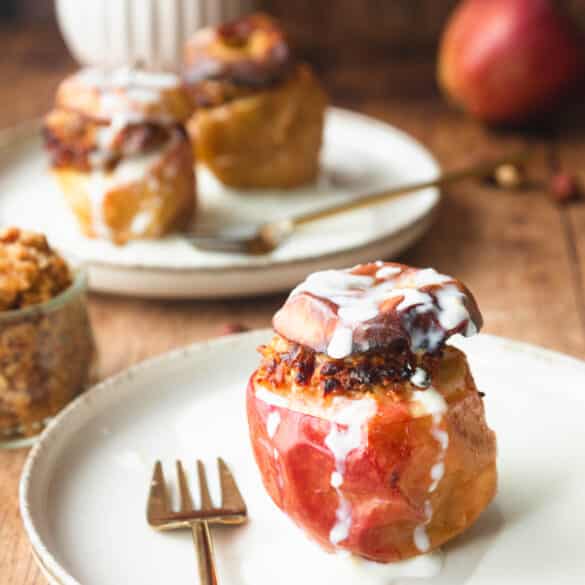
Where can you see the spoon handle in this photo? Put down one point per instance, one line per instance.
(481, 169)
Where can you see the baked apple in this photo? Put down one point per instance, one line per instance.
(120, 153)
(368, 430)
(258, 120)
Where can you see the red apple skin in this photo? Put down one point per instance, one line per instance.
(505, 61)
(386, 479)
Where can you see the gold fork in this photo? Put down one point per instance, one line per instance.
(162, 517)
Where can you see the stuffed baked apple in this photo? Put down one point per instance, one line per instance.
(121, 154)
(259, 114)
(368, 430)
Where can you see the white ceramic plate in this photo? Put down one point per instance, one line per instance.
(360, 155)
(84, 486)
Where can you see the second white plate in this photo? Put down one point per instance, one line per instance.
(84, 487)
(360, 155)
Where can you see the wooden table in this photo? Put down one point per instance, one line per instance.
(522, 255)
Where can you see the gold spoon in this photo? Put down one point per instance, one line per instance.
(266, 237)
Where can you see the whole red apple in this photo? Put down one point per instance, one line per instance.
(508, 60)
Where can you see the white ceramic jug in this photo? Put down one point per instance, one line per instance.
(152, 32)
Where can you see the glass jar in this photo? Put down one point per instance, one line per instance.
(46, 356)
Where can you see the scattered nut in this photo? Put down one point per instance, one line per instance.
(231, 328)
(509, 176)
(564, 187)
(31, 272)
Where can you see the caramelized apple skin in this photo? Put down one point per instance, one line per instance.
(270, 139)
(387, 478)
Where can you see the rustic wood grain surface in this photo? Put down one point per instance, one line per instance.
(521, 254)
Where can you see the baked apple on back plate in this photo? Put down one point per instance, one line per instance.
(120, 153)
(368, 430)
(259, 113)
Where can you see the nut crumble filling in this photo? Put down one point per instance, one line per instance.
(286, 365)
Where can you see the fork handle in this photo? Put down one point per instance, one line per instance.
(204, 547)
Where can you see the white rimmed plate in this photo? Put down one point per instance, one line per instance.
(360, 155)
(84, 486)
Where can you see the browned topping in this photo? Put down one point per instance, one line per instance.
(139, 138)
(330, 385)
(30, 271)
(285, 364)
(209, 93)
(239, 32)
(71, 140)
(250, 53)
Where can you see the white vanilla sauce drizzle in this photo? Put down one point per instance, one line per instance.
(141, 86)
(358, 299)
(349, 419)
(141, 222)
(100, 183)
(387, 271)
(120, 121)
(431, 403)
(420, 378)
(272, 422)
(116, 87)
(341, 441)
(342, 566)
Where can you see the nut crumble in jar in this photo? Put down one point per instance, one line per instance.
(46, 343)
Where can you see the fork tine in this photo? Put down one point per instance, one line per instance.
(203, 488)
(231, 497)
(186, 501)
(158, 499)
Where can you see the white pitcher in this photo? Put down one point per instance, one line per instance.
(151, 32)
